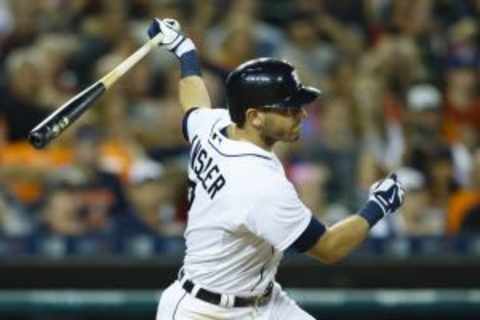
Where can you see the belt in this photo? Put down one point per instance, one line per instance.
(224, 299)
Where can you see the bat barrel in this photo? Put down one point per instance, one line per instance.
(59, 120)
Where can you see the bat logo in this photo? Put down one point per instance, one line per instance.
(60, 126)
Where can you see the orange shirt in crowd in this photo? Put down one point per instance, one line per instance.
(455, 119)
(23, 156)
(458, 206)
(117, 158)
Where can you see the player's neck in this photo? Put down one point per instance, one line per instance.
(241, 134)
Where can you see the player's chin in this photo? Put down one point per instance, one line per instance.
(296, 137)
(297, 133)
(293, 136)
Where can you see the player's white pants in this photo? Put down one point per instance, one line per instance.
(177, 304)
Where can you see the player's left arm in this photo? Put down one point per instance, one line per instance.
(192, 90)
(342, 238)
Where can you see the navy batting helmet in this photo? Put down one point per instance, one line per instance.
(265, 82)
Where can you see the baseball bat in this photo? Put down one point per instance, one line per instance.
(60, 119)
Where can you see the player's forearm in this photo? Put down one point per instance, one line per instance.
(192, 90)
(340, 239)
(193, 93)
(385, 197)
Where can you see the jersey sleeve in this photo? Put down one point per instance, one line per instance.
(309, 236)
(278, 215)
(199, 121)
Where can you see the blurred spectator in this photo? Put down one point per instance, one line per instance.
(471, 222)
(417, 217)
(101, 195)
(23, 169)
(423, 116)
(24, 17)
(153, 193)
(6, 20)
(462, 102)
(241, 35)
(313, 57)
(311, 181)
(155, 122)
(20, 96)
(102, 24)
(329, 137)
(463, 200)
(52, 54)
(384, 74)
(61, 213)
(441, 178)
(14, 218)
(411, 18)
(423, 133)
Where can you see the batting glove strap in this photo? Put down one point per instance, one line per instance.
(372, 212)
(184, 46)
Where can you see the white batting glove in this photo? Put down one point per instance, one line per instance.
(385, 197)
(388, 194)
(173, 39)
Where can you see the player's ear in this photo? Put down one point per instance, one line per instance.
(255, 118)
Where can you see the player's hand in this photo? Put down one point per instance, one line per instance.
(173, 39)
(170, 29)
(385, 197)
(388, 194)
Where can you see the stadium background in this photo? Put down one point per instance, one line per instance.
(90, 228)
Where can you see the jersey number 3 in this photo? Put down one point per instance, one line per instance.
(191, 193)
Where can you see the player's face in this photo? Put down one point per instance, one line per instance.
(283, 124)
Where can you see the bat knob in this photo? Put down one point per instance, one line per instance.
(37, 139)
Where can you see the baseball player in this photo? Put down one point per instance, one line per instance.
(243, 211)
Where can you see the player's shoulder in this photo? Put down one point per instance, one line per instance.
(206, 114)
(198, 121)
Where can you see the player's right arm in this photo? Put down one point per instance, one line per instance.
(193, 93)
(192, 90)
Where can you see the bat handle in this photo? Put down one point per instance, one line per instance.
(109, 79)
(156, 40)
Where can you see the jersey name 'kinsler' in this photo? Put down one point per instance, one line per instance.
(207, 172)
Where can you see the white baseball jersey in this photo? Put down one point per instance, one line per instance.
(243, 211)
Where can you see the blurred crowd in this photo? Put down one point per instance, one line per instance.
(401, 93)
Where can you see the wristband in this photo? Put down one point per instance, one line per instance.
(189, 64)
(372, 212)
